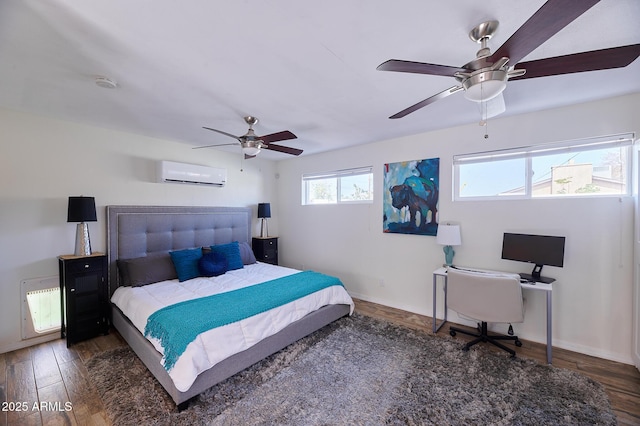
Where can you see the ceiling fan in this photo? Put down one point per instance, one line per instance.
(485, 77)
(252, 144)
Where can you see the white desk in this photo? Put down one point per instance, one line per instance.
(548, 288)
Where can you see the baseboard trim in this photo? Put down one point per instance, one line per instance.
(29, 342)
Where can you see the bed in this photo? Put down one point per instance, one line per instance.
(150, 232)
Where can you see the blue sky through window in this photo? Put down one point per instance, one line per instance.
(498, 176)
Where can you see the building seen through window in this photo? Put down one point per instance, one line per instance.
(583, 168)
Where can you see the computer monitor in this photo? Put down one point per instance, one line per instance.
(537, 249)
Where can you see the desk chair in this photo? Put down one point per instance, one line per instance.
(485, 297)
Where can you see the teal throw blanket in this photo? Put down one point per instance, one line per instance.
(178, 325)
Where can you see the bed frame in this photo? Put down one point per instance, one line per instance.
(136, 231)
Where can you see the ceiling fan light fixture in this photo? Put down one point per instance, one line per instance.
(252, 147)
(251, 150)
(484, 85)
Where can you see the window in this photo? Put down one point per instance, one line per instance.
(587, 167)
(338, 187)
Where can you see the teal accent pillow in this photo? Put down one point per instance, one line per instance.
(231, 252)
(186, 263)
(212, 264)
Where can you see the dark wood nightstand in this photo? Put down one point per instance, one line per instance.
(84, 298)
(265, 249)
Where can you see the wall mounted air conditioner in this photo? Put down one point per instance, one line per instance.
(169, 171)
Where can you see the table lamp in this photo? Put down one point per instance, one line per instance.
(264, 212)
(448, 235)
(82, 210)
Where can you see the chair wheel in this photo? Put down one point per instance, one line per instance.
(452, 333)
(518, 343)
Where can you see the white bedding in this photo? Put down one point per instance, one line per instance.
(211, 347)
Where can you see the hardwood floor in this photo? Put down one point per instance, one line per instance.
(47, 384)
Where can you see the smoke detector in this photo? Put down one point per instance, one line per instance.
(106, 83)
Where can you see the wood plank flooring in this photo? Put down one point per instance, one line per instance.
(54, 377)
(47, 384)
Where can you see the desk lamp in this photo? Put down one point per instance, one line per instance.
(448, 235)
(82, 210)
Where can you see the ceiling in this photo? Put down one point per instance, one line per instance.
(307, 67)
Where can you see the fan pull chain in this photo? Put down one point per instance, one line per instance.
(486, 126)
(484, 121)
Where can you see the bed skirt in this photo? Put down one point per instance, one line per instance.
(230, 366)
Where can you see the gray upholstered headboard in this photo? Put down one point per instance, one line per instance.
(137, 231)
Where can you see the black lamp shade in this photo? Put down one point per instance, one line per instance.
(81, 209)
(264, 210)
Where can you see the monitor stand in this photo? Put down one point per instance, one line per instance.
(538, 279)
(535, 277)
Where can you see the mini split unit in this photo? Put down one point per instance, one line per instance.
(169, 171)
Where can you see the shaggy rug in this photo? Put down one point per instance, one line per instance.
(363, 371)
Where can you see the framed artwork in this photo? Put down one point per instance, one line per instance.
(410, 201)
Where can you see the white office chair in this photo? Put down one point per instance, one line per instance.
(485, 297)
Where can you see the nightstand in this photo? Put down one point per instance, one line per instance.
(265, 249)
(83, 296)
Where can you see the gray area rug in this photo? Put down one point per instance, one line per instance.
(363, 371)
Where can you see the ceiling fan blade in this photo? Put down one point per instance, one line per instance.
(604, 59)
(211, 146)
(224, 133)
(280, 136)
(553, 16)
(285, 149)
(419, 68)
(432, 99)
(246, 156)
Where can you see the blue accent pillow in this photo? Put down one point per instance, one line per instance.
(212, 264)
(186, 263)
(231, 252)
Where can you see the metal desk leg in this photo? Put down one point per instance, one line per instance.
(549, 346)
(435, 285)
(433, 315)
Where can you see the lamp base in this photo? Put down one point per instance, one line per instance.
(83, 245)
(448, 255)
(264, 230)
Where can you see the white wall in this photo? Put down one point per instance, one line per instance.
(592, 311)
(44, 161)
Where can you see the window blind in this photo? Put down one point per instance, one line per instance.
(579, 145)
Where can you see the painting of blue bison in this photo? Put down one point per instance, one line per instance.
(411, 190)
